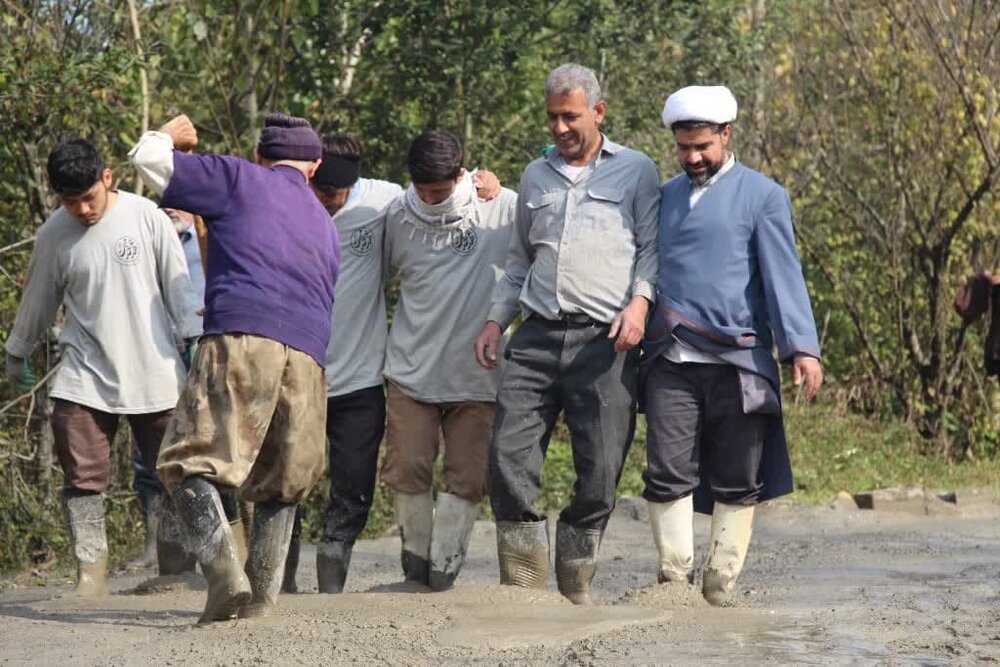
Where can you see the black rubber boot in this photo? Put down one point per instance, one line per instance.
(173, 555)
(576, 561)
(288, 584)
(272, 531)
(200, 508)
(333, 559)
(523, 550)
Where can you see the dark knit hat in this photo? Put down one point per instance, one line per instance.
(289, 138)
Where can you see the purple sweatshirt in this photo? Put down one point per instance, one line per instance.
(273, 256)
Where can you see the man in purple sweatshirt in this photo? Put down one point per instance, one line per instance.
(252, 412)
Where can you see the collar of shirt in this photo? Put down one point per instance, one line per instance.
(698, 192)
(608, 148)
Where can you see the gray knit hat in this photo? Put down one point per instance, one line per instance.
(289, 138)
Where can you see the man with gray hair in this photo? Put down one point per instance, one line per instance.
(580, 271)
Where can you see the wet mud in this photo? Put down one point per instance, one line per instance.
(899, 584)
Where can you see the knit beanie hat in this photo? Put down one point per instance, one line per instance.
(289, 138)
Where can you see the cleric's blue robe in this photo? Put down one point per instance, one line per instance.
(730, 284)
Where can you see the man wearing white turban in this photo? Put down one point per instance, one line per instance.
(729, 288)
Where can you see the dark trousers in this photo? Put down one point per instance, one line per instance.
(555, 366)
(83, 438)
(355, 423)
(145, 483)
(696, 429)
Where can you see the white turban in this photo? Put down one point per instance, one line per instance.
(707, 104)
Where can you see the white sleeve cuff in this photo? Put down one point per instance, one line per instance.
(153, 158)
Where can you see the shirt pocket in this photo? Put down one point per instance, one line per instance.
(547, 210)
(601, 210)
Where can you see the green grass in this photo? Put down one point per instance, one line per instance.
(836, 451)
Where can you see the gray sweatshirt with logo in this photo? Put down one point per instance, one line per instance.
(356, 353)
(124, 282)
(448, 269)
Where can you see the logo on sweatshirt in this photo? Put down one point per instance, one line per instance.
(464, 241)
(126, 251)
(362, 242)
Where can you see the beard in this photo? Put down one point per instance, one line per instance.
(699, 179)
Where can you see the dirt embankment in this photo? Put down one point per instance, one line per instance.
(894, 584)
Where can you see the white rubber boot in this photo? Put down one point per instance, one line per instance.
(454, 519)
(673, 533)
(85, 516)
(731, 529)
(415, 516)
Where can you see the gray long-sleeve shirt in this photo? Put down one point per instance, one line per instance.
(124, 281)
(585, 246)
(356, 353)
(447, 273)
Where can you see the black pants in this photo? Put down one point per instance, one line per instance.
(696, 428)
(355, 423)
(555, 366)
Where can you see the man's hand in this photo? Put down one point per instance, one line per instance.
(487, 185)
(182, 131)
(19, 373)
(630, 324)
(487, 345)
(807, 370)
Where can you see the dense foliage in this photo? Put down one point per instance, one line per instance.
(880, 118)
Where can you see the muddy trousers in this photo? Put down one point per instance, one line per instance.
(568, 367)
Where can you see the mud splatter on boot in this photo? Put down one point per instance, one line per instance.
(85, 517)
(523, 551)
(576, 561)
(272, 531)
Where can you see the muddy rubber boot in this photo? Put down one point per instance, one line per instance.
(415, 516)
(288, 584)
(173, 555)
(152, 506)
(273, 521)
(454, 519)
(333, 559)
(200, 509)
(85, 517)
(673, 533)
(523, 551)
(576, 561)
(731, 529)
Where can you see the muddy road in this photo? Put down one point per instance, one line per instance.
(906, 583)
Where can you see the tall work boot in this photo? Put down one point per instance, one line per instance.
(152, 505)
(288, 584)
(333, 559)
(454, 519)
(415, 516)
(576, 561)
(673, 533)
(233, 507)
(85, 517)
(173, 554)
(200, 509)
(273, 521)
(731, 528)
(523, 551)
